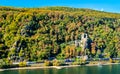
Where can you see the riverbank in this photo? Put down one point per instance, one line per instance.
(101, 64)
(56, 67)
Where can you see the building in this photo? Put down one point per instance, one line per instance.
(83, 42)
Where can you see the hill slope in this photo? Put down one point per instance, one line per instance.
(40, 33)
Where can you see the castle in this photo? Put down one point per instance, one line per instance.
(83, 42)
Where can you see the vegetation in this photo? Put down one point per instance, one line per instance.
(57, 63)
(6, 64)
(22, 64)
(79, 61)
(34, 34)
(47, 63)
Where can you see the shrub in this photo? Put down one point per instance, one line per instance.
(57, 63)
(40, 61)
(76, 63)
(117, 61)
(47, 63)
(111, 60)
(22, 64)
(79, 62)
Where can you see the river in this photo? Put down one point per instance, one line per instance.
(106, 69)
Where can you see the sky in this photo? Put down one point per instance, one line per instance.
(102, 5)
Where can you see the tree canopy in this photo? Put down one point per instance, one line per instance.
(40, 33)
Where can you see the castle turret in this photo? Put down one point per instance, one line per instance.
(84, 38)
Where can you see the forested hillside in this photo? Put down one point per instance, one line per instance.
(39, 33)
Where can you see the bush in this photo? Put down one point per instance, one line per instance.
(57, 63)
(76, 63)
(117, 61)
(111, 60)
(47, 63)
(93, 62)
(22, 64)
(40, 61)
(1, 66)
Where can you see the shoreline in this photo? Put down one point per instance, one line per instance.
(101, 64)
(43, 67)
(56, 67)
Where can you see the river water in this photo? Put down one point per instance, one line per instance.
(106, 69)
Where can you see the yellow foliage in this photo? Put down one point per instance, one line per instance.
(22, 64)
(47, 63)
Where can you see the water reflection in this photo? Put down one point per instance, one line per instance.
(22, 71)
(107, 69)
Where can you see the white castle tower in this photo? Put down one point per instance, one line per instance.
(84, 38)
